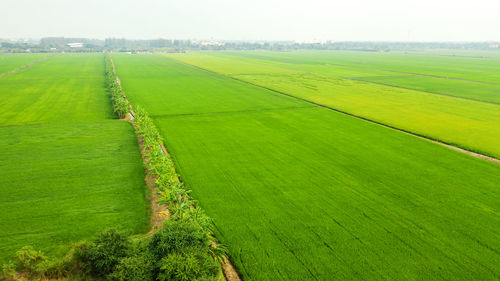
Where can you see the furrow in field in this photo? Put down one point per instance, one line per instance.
(233, 111)
(19, 69)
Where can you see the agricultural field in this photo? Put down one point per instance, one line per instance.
(467, 118)
(10, 62)
(298, 191)
(149, 72)
(474, 66)
(475, 91)
(67, 169)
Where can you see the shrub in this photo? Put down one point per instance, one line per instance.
(175, 237)
(190, 264)
(29, 260)
(9, 271)
(135, 268)
(101, 257)
(181, 250)
(33, 264)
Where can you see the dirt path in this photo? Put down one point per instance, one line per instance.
(25, 66)
(159, 212)
(471, 153)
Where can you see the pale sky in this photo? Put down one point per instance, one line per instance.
(349, 20)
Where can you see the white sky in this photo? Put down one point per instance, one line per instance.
(354, 20)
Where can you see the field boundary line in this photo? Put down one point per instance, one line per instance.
(370, 68)
(26, 66)
(453, 147)
(413, 73)
(423, 91)
(360, 79)
(231, 112)
(158, 211)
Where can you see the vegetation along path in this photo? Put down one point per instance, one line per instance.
(159, 212)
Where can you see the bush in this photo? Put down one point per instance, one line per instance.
(187, 265)
(182, 251)
(175, 237)
(33, 264)
(101, 257)
(29, 260)
(135, 268)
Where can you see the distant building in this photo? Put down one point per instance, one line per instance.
(209, 43)
(75, 45)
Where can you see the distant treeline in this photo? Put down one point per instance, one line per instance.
(58, 44)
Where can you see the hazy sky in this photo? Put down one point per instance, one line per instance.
(360, 20)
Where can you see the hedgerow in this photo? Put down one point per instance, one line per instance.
(118, 100)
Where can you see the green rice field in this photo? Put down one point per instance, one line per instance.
(298, 191)
(67, 170)
(466, 118)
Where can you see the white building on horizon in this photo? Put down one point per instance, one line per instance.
(75, 45)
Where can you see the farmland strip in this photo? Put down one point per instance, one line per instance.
(412, 73)
(360, 79)
(378, 69)
(471, 153)
(230, 112)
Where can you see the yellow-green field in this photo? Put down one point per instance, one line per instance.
(462, 122)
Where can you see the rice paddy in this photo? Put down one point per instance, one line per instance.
(298, 157)
(67, 170)
(302, 192)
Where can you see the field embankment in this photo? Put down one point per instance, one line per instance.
(299, 192)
